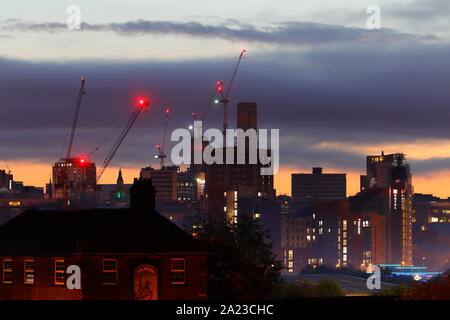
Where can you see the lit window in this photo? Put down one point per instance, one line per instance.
(7, 271)
(178, 269)
(14, 203)
(28, 271)
(59, 272)
(109, 271)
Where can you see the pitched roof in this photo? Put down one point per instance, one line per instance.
(42, 233)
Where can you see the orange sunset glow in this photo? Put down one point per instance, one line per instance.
(39, 174)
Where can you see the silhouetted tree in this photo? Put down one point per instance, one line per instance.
(241, 264)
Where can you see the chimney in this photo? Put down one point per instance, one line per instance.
(142, 195)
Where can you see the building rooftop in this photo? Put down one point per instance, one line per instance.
(93, 232)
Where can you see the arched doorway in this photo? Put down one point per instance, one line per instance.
(145, 282)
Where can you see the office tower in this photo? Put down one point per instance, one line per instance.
(392, 173)
(313, 188)
(224, 183)
(165, 182)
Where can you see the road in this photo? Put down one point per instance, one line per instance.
(353, 286)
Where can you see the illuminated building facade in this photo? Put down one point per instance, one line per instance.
(392, 173)
(343, 238)
(296, 239)
(430, 209)
(190, 186)
(224, 183)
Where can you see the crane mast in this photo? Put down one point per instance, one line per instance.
(75, 117)
(161, 147)
(142, 103)
(65, 170)
(225, 96)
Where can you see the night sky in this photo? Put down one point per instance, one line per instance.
(336, 90)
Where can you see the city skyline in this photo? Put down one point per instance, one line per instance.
(336, 91)
(230, 158)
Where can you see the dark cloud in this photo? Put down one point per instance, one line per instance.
(430, 165)
(288, 33)
(358, 93)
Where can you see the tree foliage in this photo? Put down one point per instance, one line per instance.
(325, 288)
(241, 264)
(434, 289)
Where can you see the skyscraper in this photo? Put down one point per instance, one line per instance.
(226, 182)
(392, 173)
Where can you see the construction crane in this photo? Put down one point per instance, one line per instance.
(65, 171)
(206, 109)
(161, 146)
(224, 97)
(142, 103)
(75, 117)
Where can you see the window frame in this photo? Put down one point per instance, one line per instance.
(56, 272)
(115, 271)
(10, 271)
(175, 271)
(26, 271)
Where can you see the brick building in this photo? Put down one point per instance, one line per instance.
(122, 253)
(343, 238)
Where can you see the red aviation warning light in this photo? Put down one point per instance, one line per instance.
(82, 161)
(167, 111)
(219, 86)
(142, 102)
